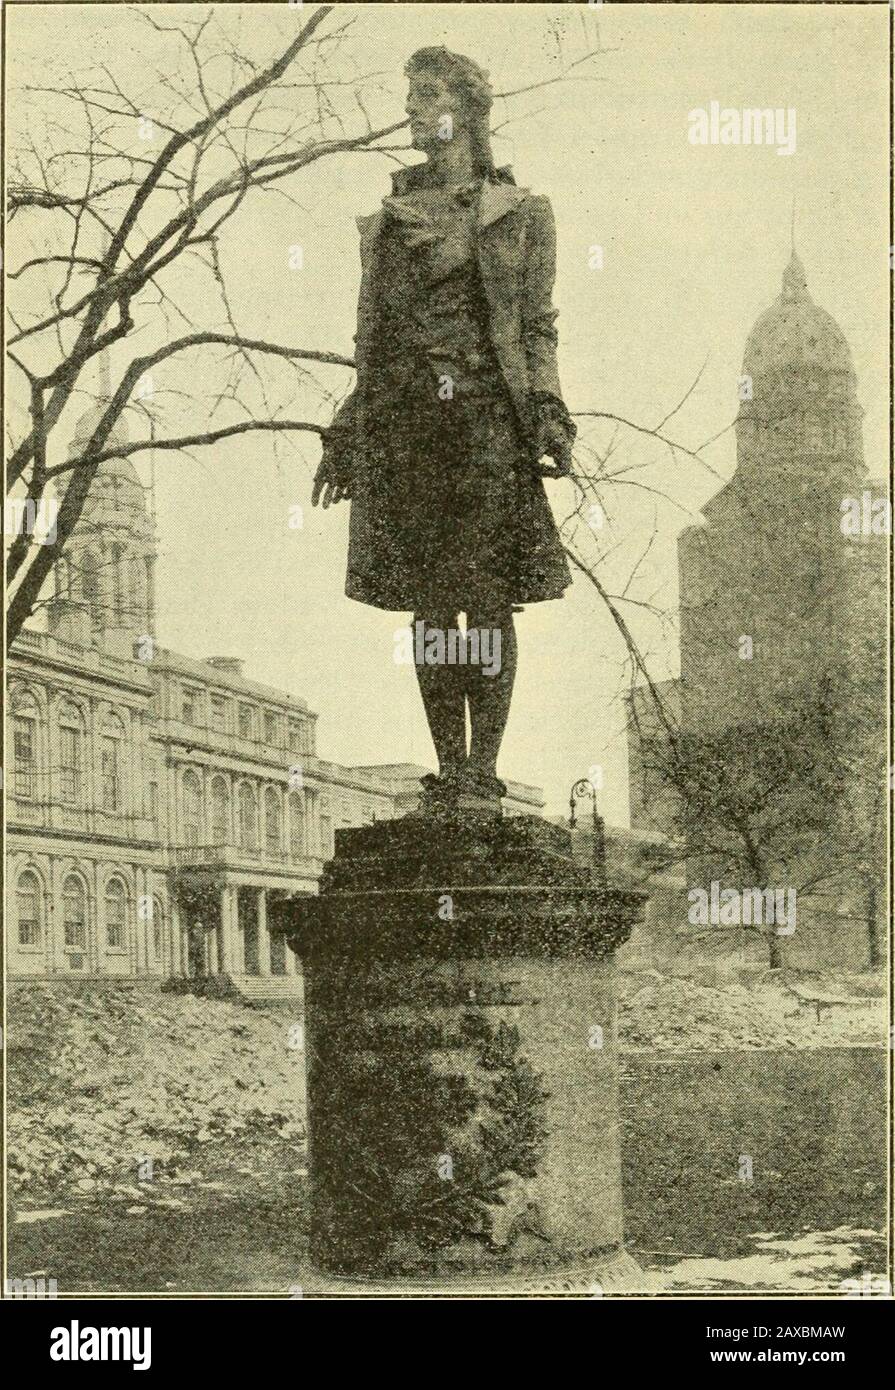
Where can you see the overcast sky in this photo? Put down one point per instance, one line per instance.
(694, 243)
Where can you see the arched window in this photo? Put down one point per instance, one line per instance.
(74, 912)
(116, 915)
(220, 811)
(296, 825)
(110, 745)
(273, 822)
(29, 909)
(25, 729)
(248, 817)
(71, 753)
(192, 809)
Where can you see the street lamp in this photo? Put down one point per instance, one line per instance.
(585, 787)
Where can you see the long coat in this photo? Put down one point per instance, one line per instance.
(515, 246)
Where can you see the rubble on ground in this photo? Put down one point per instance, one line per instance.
(211, 1092)
(664, 1013)
(104, 1079)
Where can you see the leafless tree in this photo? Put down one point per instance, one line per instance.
(119, 221)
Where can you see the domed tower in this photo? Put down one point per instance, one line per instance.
(108, 568)
(799, 425)
(766, 581)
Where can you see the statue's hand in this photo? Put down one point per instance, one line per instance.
(561, 455)
(333, 479)
(554, 435)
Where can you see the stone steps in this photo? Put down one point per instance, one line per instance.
(268, 987)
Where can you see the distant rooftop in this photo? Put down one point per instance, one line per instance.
(204, 670)
(412, 772)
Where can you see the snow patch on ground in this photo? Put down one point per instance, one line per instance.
(814, 1263)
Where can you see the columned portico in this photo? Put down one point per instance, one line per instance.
(230, 898)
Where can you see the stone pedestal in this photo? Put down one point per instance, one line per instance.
(461, 1049)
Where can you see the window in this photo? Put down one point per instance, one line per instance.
(246, 721)
(326, 834)
(296, 736)
(192, 809)
(248, 817)
(218, 712)
(28, 905)
(111, 737)
(272, 821)
(154, 807)
(110, 788)
(188, 705)
(24, 755)
(271, 728)
(71, 754)
(296, 826)
(220, 811)
(116, 915)
(74, 913)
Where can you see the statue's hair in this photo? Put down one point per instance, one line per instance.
(470, 83)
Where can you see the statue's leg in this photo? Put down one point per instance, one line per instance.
(444, 698)
(489, 684)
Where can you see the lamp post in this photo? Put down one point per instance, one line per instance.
(585, 787)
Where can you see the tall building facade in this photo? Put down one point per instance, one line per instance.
(769, 580)
(783, 606)
(158, 804)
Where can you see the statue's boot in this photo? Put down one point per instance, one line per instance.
(443, 692)
(489, 692)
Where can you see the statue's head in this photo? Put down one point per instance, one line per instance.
(445, 84)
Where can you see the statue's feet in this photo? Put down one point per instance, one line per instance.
(462, 788)
(466, 788)
(440, 791)
(484, 785)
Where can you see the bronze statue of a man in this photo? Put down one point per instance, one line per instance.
(456, 403)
